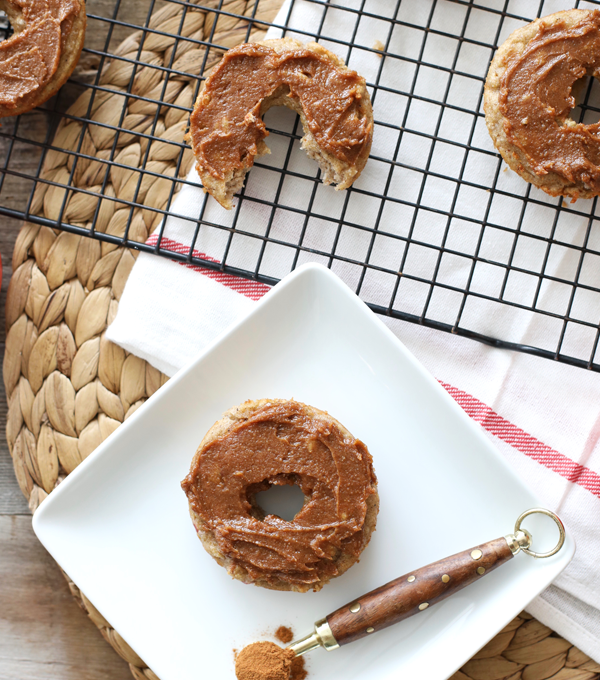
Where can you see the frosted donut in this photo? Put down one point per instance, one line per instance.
(273, 441)
(529, 94)
(226, 128)
(42, 52)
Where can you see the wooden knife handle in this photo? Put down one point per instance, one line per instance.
(416, 591)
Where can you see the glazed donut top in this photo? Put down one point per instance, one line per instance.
(226, 125)
(535, 99)
(282, 444)
(31, 56)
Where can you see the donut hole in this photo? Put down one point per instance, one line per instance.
(586, 92)
(6, 29)
(281, 497)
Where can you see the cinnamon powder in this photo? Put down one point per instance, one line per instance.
(298, 672)
(268, 661)
(284, 634)
(264, 661)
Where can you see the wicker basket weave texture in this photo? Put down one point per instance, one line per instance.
(68, 387)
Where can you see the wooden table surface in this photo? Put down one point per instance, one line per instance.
(44, 635)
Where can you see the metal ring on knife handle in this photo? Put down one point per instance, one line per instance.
(561, 530)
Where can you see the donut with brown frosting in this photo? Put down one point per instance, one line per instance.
(275, 442)
(227, 131)
(529, 94)
(42, 52)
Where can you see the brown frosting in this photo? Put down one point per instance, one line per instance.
(31, 56)
(536, 99)
(226, 127)
(281, 444)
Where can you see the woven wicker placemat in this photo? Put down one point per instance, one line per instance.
(68, 387)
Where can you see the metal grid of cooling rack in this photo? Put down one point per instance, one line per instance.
(434, 232)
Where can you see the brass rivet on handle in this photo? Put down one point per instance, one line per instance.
(355, 607)
(445, 578)
(481, 570)
(370, 629)
(424, 606)
(410, 579)
(476, 554)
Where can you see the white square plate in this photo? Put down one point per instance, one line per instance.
(119, 524)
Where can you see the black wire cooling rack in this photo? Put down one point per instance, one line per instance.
(435, 231)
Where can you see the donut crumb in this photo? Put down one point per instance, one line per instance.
(284, 634)
(379, 46)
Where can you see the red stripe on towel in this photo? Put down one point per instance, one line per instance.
(251, 289)
(524, 442)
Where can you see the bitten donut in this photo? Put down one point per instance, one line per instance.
(273, 441)
(226, 127)
(529, 96)
(42, 52)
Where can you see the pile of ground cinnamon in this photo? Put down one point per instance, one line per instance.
(267, 661)
(264, 661)
(298, 672)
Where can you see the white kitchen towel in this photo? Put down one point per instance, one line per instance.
(543, 416)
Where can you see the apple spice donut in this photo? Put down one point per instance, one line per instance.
(274, 441)
(226, 127)
(529, 96)
(42, 52)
